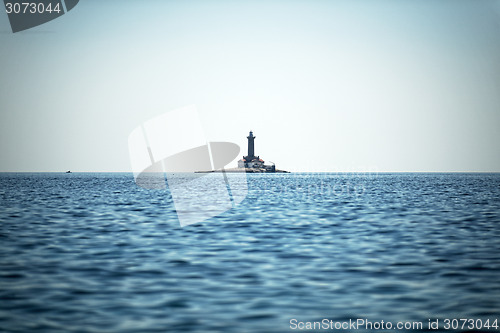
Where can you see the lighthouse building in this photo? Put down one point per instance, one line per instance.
(252, 161)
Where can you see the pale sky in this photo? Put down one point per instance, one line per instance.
(325, 85)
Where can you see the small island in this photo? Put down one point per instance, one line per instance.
(251, 163)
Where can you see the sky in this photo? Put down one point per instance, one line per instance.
(330, 86)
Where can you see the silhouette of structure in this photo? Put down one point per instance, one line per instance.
(252, 162)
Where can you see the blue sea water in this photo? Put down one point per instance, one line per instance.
(93, 252)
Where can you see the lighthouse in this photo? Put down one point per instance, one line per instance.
(250, 138)
(251, 161)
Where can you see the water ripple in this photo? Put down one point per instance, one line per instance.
(95, 253)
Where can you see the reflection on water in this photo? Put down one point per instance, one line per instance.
(96, 253)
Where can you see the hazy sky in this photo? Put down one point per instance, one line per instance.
(325, 85)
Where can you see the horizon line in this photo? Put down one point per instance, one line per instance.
(352, 172)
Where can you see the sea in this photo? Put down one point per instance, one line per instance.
(303, 252)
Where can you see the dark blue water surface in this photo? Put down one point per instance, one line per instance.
(96, 253)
